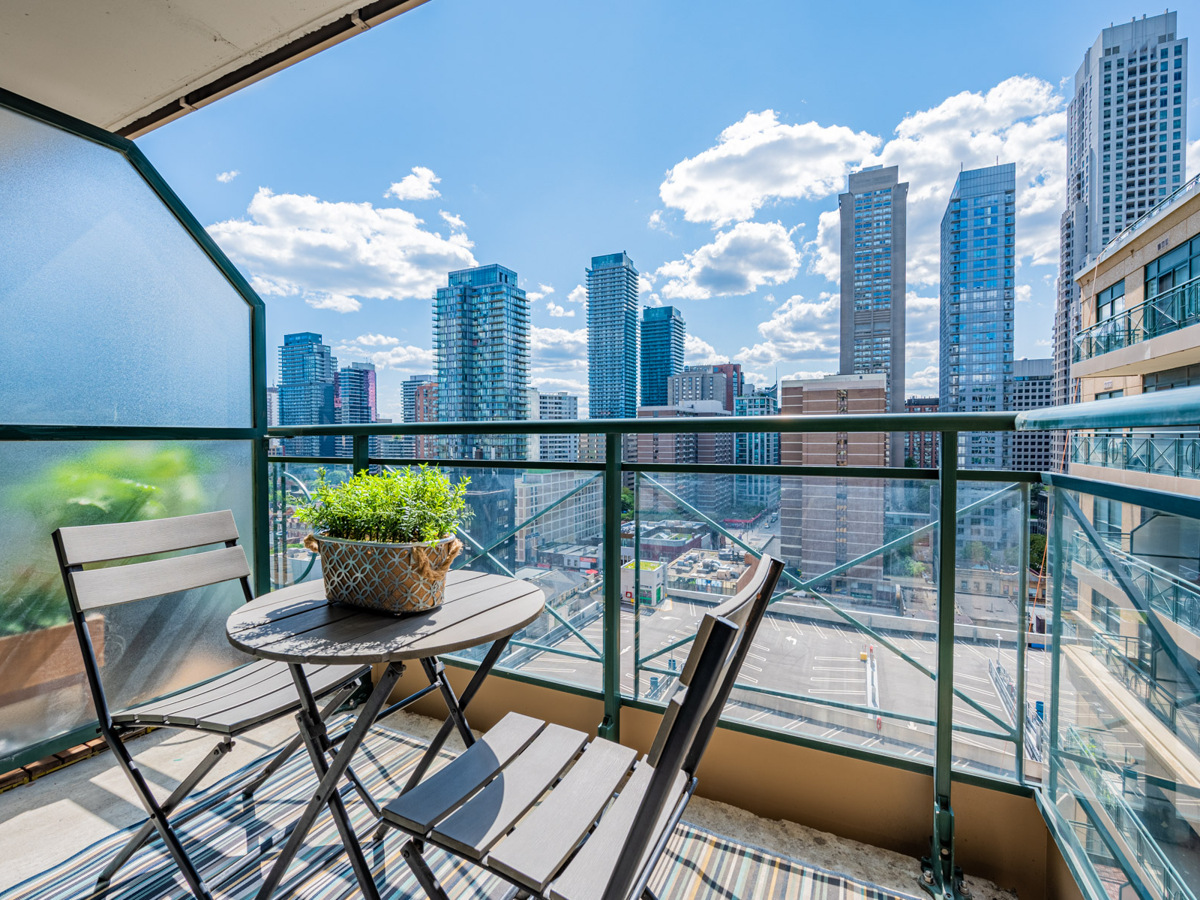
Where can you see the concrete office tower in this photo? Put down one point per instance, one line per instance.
(553, 447)
(1032, 388)
(576, 520)
(307, 376)
(825, 522)
(921, 446)
(481, 344)
(874, 215)
(978, 297)
(272, 406)
(754, 492)
(1126, 151)
(612, 323)
(663, 335)
(354, 403)
(425, 409)
(697, 383)
(710, 494)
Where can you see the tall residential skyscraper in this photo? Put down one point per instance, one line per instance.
(354, 402)
(663, 335)
(977, 301)
(756, 449)
(612, 323)
(1032, 388)
(307, 375)
(874, 215)
(1126, 150)
(481, 344)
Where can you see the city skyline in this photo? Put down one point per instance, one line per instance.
(735, 211)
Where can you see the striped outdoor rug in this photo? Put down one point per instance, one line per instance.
(229, 838)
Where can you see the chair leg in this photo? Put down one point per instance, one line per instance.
(425, 877)
(295, 743)
(143, 834)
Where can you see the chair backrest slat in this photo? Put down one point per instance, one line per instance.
(744, 611)
(138, 581)
(83, 544)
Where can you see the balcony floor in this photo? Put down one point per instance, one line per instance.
(45, 823)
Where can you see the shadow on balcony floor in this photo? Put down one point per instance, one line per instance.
(48, 826)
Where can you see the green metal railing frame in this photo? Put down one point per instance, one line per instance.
(254, 432)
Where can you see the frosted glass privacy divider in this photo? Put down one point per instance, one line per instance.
(113, 314)
(146, 648)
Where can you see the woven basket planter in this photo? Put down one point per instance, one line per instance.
(400, 579)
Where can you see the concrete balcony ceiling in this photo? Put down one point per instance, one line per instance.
(129, 66)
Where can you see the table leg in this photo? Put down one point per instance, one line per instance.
(312, 730)
(456, 705)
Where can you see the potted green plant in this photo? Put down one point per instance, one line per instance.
(387, 541)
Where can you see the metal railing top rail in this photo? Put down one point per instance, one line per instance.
(1179, 407)
(881, 422)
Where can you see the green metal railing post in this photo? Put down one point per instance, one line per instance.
(361, 453)
(610, 728)
(940, 876)
(1058, 562)
(1022, 630)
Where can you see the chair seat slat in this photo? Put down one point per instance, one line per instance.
(485, 818)
(537, 848)
(84, 544)
(137, 581)
(418, 810)
(586, 876)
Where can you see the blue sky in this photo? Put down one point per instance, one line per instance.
(708, 140)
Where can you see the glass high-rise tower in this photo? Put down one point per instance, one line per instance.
(481, 344)
(307, 375)
(612, 322)
(978, 260)
(663, 336)
(1126, 151)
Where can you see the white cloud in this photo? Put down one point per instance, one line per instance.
(923, 382)
(543, 290)
(1021, 120)
(558, 348)
(1024, 293)
(337, 302)
(699, 352)
(455, 222)
(558, 311)
(226, 177)
(759, 160)
(417, 186)
(333, 254)
(799, 331)
(548, 384)
(807, 374)
(578, 294)
(375, 340)
(413, 359)
(656, 223)
(737, 261)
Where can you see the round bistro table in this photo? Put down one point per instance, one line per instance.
(298, 625)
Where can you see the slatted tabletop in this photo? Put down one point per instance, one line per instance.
(299, 625)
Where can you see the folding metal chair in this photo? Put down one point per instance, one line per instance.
(227, 705)
(602, 817)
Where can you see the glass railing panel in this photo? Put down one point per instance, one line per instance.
(988, 585)
(847, 651)
(1126, 759)
(146, 648)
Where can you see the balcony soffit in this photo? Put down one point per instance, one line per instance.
(129, 66)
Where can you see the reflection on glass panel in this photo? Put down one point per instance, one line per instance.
(146, 648)
(1125, 766)
(104, 288)
(542, 526)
